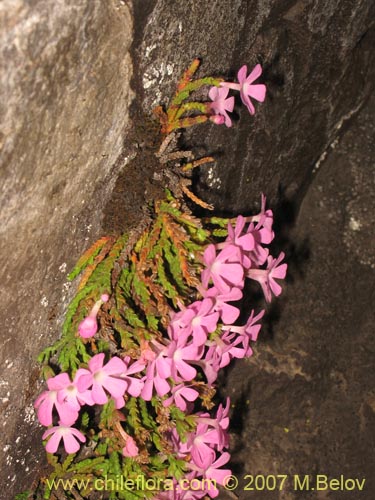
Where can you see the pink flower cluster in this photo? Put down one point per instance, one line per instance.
(205, 448)
(222, 104)
(89, 387)
(203, 335)
(201, 339)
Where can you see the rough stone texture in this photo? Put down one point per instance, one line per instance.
(65, 89)
(305, 403)
(65, 96)
(319, 68)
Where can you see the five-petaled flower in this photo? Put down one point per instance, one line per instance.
(103, 378)
(48, 400)
(247, 88)
(221, 103)
(69, 435)
(267, 277)
(224, 269)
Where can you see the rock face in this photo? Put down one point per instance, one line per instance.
(65, 96)
(318, 66)
(304, 404)
(65, 87)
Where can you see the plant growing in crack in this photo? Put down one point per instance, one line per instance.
(129, 403)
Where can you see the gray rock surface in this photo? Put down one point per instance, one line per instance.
(65, 98)
(319, 68)
(305, 402)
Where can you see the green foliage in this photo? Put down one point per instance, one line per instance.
(88, 257)
(133, 413)
(22, 496)
(146, 277)
(181, 114)
(106, 415)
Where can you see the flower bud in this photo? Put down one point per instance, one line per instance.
(217, 119)
(89, 326)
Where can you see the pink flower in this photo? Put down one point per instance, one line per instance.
(237, 236)
(219, 426)
(266, 277)
(247, 88)
(180, 395)
(243, 335)
(49, 400)
(181, 354)
(157, 371)
(223, 269)
(198, 319)
(259, 254)
(221, 103)
(68, 391)
(210, 469)
(260, 228)
(222, 424)
(104, 378)
(69, 435)
(265, 222)
(250, 241)
(130, 449)
(228, 312)
(223, 348)
(222, 415)
(89, 326)
(199, 444)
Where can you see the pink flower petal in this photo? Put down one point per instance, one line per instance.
(45, 403)
(257, 92)
(189, 393)
(232, 273)
(256, 72)
(96, 362)
(147, 390)
(119, 403)
(209, 255)
(71, 445)
(67, 413)
(115, 366)
(248, 103)
(163, 366)
(53, 442)
(275, 287)
(84, 381)
(98, 394)
(229, 313)
(58, 382)
(115, 386)
(213, 93)
(161, 386)
(135, 386)
(186, 371)
(241, 75)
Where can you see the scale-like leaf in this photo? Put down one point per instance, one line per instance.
(88, 257)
